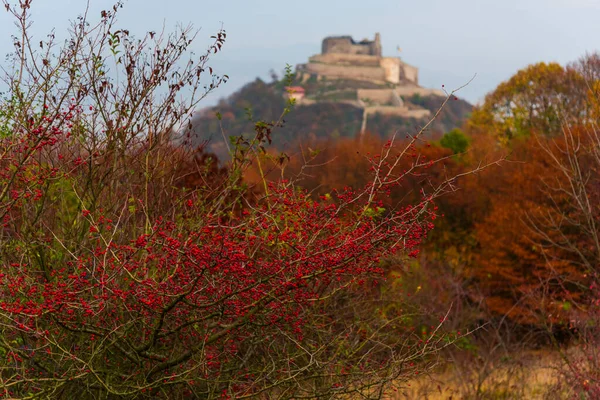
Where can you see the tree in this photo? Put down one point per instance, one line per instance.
(456, 141)
(571, 236)
(537, 99)
(588, 67)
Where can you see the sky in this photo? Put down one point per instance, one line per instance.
(449, 41)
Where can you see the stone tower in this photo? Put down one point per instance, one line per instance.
(347, 45)
(376, 45)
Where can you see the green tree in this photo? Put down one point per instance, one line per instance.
(456, 141)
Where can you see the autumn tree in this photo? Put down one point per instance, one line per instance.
(511, 266)
(537, 98)
(588, 67)
(569, 235)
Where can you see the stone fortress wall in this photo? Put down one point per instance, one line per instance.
(358, 72)
(380, 96)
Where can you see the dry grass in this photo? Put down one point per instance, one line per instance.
(531, 375)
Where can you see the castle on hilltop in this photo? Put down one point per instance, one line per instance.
(357, 73)
(341, 57)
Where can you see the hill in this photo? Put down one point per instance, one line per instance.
(348, 89)
(331, 118)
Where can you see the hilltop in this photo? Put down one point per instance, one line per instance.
(347, 89)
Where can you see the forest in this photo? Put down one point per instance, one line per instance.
(456, 257)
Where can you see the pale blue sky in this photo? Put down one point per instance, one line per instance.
(449, 41)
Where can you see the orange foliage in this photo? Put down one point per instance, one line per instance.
(325, 166)
(522, 271)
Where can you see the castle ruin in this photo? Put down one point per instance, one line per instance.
(364, 77)
(347, 45)
(341, 57)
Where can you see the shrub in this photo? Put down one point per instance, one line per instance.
(134, 267)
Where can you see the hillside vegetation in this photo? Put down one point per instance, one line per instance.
(316, 121)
